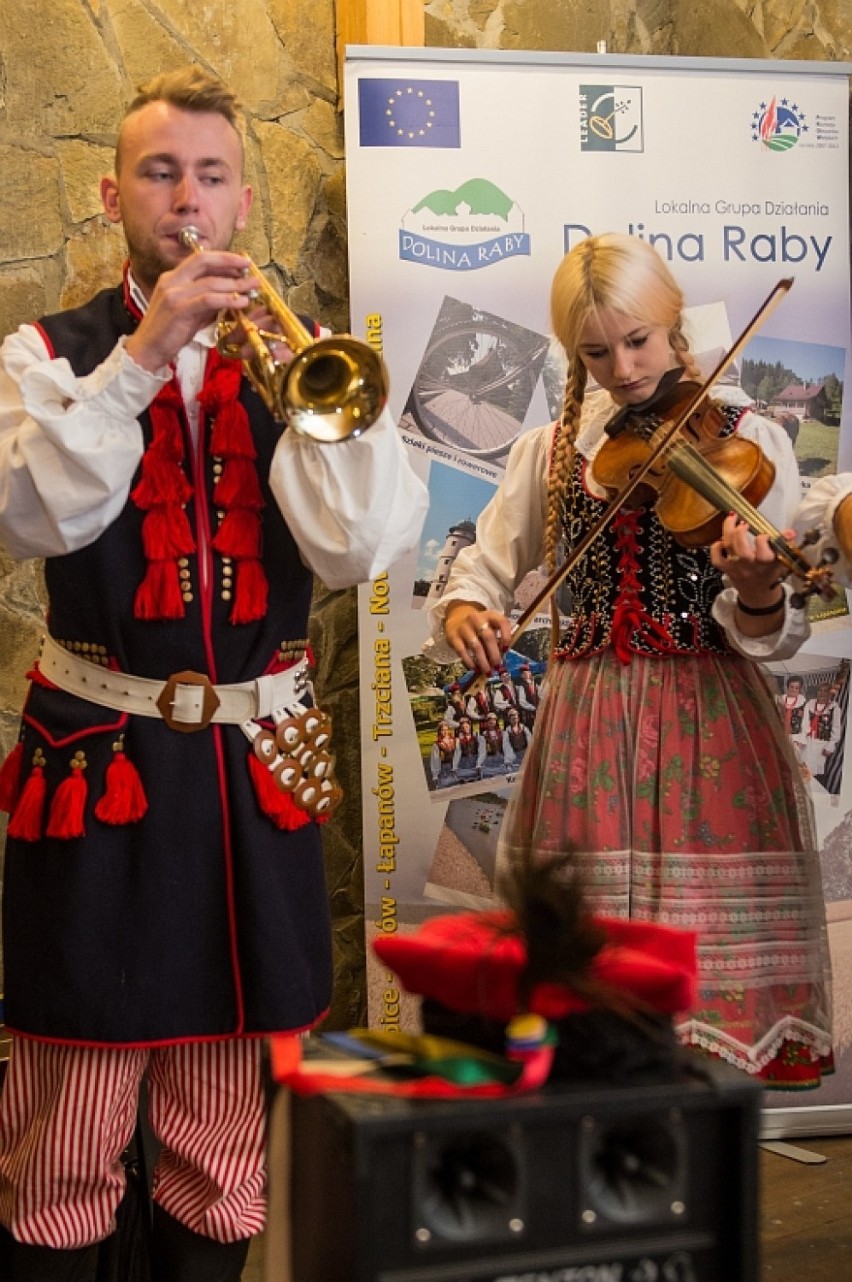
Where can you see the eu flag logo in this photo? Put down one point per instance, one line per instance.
(409, 113)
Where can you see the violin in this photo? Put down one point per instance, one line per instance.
(697, 477)
(692, 476)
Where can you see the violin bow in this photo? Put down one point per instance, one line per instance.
(701, 393)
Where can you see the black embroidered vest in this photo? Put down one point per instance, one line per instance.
(636, 588)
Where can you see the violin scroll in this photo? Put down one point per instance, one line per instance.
(815, 579)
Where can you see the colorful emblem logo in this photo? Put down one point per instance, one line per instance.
(778, 125)
(611, 118)
(472, 226)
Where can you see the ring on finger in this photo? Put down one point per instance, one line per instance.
(483, 628)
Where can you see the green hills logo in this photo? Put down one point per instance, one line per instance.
(471, 226)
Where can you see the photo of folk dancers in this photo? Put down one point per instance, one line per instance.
(474, 737)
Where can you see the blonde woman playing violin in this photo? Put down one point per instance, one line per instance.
(659, 757)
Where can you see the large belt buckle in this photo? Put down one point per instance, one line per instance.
(166, 702)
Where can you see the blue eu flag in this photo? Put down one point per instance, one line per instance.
(409, 113)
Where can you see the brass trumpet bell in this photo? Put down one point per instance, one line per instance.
(333, 388)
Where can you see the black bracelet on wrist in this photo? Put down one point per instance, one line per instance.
(758, 610)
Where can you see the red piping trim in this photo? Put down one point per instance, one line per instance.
(128, 297)
(204, 532)
(78, 734)
(166, 1041)
(44, 338)
(229, 877)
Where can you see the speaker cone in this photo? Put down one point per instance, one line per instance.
(632, 1170)
(466, 1187)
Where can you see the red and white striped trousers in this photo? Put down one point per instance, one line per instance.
(68, 1112)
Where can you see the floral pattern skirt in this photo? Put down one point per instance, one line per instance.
(673, 783)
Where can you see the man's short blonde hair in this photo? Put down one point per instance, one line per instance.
(190, 89)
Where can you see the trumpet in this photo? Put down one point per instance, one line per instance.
(333, 388)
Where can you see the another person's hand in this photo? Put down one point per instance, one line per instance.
(843, 527)
(479, 636)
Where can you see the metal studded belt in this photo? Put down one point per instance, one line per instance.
(186, 701)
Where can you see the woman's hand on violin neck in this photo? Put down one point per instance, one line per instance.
(752, 568)
(748, 560)
(479, 636)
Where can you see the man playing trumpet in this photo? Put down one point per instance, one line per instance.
(164, 900)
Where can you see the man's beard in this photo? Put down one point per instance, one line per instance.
(147, 264)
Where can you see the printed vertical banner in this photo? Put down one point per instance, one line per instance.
(470, 174)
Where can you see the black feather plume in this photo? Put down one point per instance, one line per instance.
(548, 899)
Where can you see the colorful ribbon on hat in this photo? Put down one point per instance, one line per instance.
(416, 1066)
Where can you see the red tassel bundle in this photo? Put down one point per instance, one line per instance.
(239, 534)
(164, 490)
(124, 800)
(167, 420)
(276, 804)
(252, 591)
(162, 483)
(166, 534)
(231, 437)
(162, 493)
(66, 818)
(159, 595)
(26, 821)
(238, 486)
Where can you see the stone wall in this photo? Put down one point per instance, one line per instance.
(67, 68)
(816, 30)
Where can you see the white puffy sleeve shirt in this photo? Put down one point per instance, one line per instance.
(510, 530)
(70, 447)
(816, 513)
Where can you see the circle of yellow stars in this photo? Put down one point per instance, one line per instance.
(402, 130)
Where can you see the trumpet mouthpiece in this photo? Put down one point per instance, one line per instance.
(190, 236)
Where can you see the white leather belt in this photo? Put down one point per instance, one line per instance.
(187, 701)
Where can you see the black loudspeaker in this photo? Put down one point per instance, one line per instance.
(578, 1183)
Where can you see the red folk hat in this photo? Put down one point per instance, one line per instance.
(475, 963)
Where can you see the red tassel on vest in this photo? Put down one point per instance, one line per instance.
(124, 800)
(162, 483)
(231, 436)
(26, 821)
(238, 486)
(252, 591)
(276, 804)
(66, 819)
(166, 534)
(239, 534)
(164, 490)
(158, 595)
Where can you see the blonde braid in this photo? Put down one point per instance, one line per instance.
(559, 473)
(682, 352)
